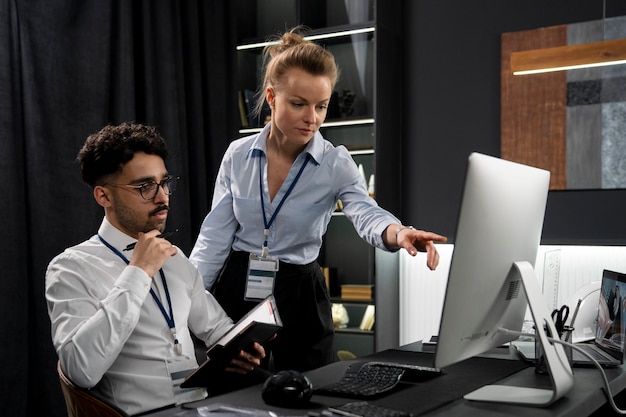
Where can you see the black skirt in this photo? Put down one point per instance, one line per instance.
(306, 339)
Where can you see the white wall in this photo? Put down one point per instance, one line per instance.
(422, 291)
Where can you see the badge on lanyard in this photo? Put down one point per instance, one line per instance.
(261, 275)
(262, 269)
(179, 367)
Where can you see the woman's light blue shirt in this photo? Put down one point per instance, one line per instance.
(236, 220)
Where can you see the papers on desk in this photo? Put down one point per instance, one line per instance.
(225, 410)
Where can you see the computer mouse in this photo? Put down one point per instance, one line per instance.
(287, 389)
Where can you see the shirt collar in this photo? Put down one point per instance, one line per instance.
(114, 236)
(315, 146)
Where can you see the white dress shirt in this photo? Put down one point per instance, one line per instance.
(107, 329)
(295, 237)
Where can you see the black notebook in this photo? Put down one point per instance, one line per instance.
(259, 325)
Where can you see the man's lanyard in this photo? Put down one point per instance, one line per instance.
(168, 318)
(267, 224)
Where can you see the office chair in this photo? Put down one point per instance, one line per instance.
(80, 403)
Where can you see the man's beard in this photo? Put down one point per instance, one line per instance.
(131, 220)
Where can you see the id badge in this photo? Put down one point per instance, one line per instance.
(179, 367)
(260, 279)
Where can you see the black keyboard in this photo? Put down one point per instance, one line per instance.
(371, 379)
(592, 350)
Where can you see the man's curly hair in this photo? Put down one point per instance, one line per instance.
(106, 152)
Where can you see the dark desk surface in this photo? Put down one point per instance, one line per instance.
(583, 399)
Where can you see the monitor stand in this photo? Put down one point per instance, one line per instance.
(558, 366)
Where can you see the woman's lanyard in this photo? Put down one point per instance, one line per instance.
(267, 224)
(169, 318)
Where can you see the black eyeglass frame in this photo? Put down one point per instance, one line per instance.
(168, 184)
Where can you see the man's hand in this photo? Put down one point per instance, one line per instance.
(247, 361)
(151, 252)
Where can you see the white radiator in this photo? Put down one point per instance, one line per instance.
(421, 294)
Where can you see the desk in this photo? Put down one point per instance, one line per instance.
(583, 399)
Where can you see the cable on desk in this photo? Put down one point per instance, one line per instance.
(607, 387)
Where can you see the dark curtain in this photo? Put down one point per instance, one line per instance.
(67, 68)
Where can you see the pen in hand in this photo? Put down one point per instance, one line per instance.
(131, 246)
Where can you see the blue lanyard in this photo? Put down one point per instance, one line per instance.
(293, 183)
(168, 318)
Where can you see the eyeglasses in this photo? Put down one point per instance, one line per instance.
(149, 190)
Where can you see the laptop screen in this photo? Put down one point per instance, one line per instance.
(611, 321)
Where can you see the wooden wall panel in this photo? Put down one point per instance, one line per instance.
(533, 107)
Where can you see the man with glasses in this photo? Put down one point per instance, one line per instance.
(123, 303)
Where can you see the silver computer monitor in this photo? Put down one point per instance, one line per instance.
(491, 281)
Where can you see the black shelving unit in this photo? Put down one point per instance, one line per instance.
(365, 119)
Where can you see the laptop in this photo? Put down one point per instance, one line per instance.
(610, 326)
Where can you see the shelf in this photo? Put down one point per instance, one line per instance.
(353, 48)
(338, 300)
(337, 32)
(355, 330)
(350, 122)
(333, 123)
(336, 125)
(362, 152)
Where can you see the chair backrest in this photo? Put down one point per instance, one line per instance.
(80, 403)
